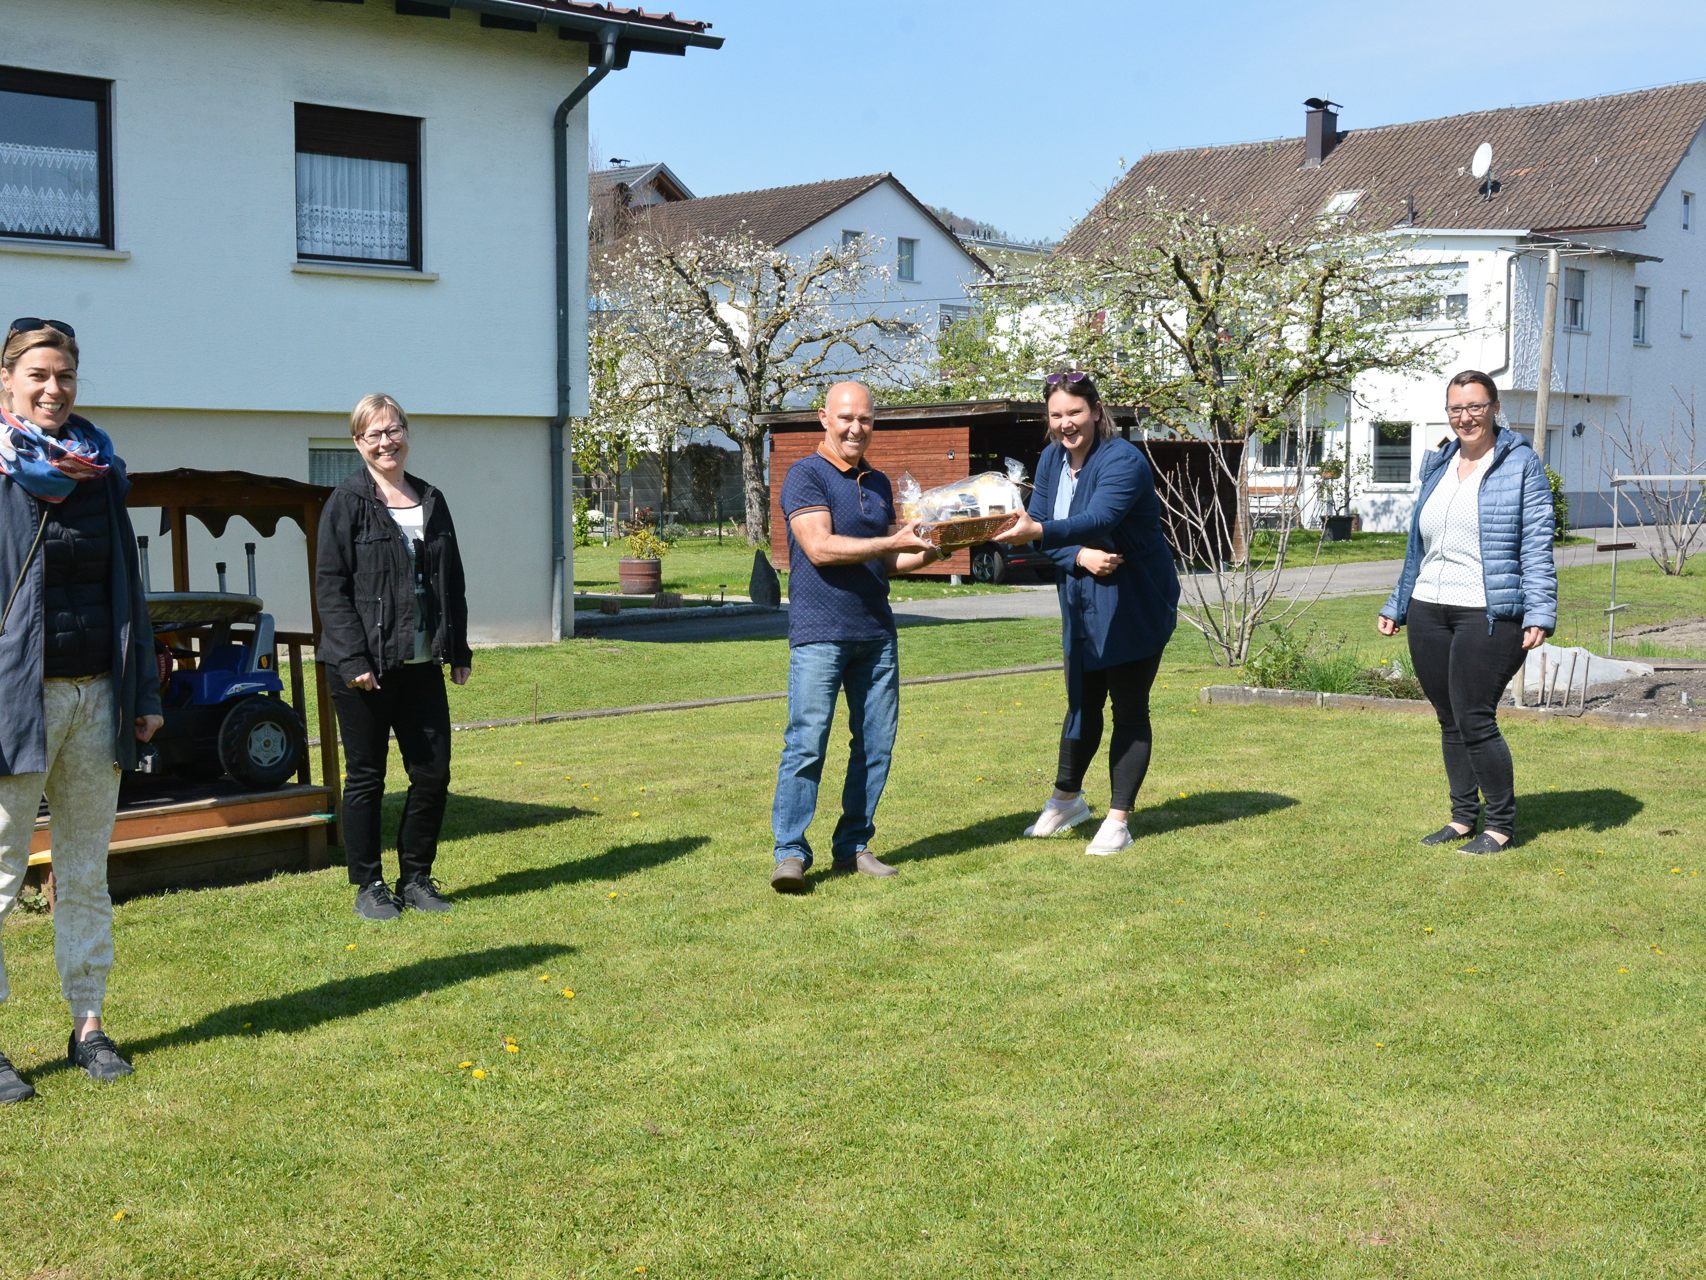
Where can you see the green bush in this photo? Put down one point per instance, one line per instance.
(1560, 504)
(583, 523)
(1325, 664)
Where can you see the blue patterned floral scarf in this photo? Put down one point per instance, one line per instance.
(49, 467)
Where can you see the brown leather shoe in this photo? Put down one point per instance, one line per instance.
(789, 876)
(866, 864)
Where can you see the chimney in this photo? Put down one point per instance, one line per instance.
(1320, 130)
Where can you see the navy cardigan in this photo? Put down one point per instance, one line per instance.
(1130, 614)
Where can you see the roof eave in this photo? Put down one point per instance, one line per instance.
(631, 36)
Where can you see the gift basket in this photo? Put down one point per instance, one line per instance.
(967, 512)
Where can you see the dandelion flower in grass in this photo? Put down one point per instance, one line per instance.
(1379, 1044)
(595, 799)
(463, 1065)
(634, 813)
(478, 1074)
(1676, 871)
(1471, 969)
(512, 1047)
(1303, 951)
(1427, 928)
(121, 1215)
(1184, 795)
(349, 946)
(568, 993)
(1622, 970)
(544, 977)
(613, 893)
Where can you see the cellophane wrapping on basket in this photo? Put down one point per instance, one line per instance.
(967, 512)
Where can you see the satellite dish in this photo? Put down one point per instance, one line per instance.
(1482, 164)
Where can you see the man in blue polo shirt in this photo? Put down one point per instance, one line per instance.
(843, 543)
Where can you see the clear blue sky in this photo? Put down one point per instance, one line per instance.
(1020, 114)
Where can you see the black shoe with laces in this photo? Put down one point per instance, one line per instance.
(376, 902)
(97, 1055)
(422, 895)
(13, 1087)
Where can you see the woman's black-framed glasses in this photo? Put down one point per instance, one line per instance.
(29, 324)
(380, 437)
(1071, 378)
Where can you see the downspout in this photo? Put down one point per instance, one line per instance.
(559, 424)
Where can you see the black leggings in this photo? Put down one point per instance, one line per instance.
(1128, 752)
(1464, 670)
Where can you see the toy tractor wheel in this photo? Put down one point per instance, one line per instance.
(261, 742)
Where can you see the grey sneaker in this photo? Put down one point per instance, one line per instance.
(13, 1087)
(97, 1055)
(423, 895)
(789, 876)
(376, 902)
(1111, 837)
(866, 864)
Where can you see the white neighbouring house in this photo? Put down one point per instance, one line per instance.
(256, 211)
(928, 270)
(1614, 182)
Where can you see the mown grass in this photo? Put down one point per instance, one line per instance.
(1276, 1038)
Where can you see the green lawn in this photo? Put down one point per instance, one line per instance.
(703, 568)
(1275, 1039)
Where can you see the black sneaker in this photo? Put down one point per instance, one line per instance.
(13, 1087)
(376, 902)
(97, 1055)
(423, 895)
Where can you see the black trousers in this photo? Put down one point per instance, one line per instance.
(1128, 687)
(409, 702)
(1464, 670)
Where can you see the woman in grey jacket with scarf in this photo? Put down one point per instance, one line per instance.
(1478, 590)
(1096, 514)
(77, 678)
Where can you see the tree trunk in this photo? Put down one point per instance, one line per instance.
(752, 485)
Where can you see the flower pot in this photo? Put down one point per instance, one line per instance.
(1333, 529)
(639, 577)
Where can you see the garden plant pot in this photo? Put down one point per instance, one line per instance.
(1333, 529)
(639, 577)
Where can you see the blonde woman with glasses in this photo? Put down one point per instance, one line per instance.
(393, 614)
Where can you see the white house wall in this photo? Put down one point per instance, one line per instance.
(206, 344)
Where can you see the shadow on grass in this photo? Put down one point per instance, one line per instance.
(343, 998)
(1203, 809)
(479, 816)
(623, 860)
(1599, 809)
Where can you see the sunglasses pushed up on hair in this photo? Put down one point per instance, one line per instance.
(29, 324)
(1071, 378)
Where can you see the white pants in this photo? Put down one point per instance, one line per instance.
(81, 784)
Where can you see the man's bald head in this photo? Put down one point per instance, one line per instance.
(848, 417)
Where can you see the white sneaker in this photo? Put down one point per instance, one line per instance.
(1058, 817)
(1111, 838)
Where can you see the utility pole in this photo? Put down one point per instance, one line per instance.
(1548, 329)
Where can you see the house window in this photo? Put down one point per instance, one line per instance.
(1281, 450)
(331, 464)
(949, 314)
(55, 158)
(906, 260)
(1688, 211)
(1392, 452)
(850, 238)
(1575, 298)
(1685, 324)
(358, 189)
(1555, 447)
(1340, 204)
(1641, 314)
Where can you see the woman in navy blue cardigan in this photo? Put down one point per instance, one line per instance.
(1095, 512)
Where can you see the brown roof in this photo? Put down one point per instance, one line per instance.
(774, 214)
(639, 17)
(1579, 165)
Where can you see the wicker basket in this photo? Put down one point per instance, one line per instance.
(966, 531)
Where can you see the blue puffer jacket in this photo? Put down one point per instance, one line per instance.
(1516, 536)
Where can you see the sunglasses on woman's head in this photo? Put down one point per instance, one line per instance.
(29, 324)
(1070, 378)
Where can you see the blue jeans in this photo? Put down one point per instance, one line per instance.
(869, 670)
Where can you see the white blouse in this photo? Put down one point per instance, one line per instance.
(1450, 526)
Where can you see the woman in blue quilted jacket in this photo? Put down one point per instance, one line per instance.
(1478, 589)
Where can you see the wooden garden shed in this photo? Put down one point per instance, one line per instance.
(178, 834)
(942, 443)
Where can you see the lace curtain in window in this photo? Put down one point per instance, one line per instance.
(348, 208)
(50, 191)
